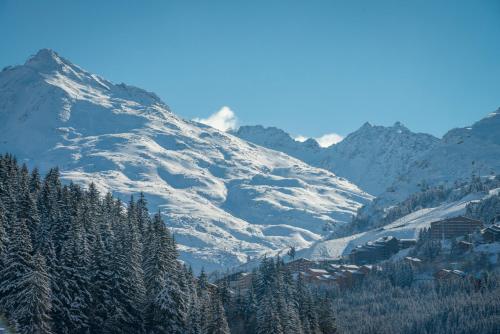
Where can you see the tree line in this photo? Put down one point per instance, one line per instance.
(278, 302)
(75, 261)
(395, 300)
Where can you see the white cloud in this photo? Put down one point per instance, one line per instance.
(301, 138)
(223, 120)
(324, 141)
(329, 139)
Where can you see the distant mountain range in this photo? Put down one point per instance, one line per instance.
(372, 157)
(393, 162)
(225, 199)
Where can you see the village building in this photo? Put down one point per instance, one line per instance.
(449, 274)
(465, 246)
(365, 269)
(300, 265)
(374, 251)
(315, 272)
(491, 233)
(454, 227)
(415, 263)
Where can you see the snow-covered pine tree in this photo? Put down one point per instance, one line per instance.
(26, 205)
(71, 298)
(3, 236)
(218, 323)
(307, 307)
(127, 277)
(160, 276)
(101, 276)
(327, 322)
(18, 264)
(142, 214)
(171, 301)
(268, 319)
(35, 184)
(33, 313)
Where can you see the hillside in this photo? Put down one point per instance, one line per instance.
(224, 198)
(405, 227)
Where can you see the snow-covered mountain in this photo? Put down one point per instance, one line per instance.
(393, 162)
(224, 198)
(276, 139)
(372, 157)
(461, 153)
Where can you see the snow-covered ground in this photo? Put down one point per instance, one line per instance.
(406, 227)
(224, 198)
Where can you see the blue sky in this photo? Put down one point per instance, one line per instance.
(309, 67)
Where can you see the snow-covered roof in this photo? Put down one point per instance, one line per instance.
(318, 271)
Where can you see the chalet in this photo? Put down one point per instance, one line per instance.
(410, 259)
(464, 246)
(349, 267)
(300, 265)
(449, 274)
(314, 272)
(414, 262)
(491, 233)
(325, 280)
(375, 251)
(454, 227)
(365, 269)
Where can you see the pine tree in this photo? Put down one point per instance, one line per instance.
(101, 276)
(35, 184)
(33, 314)
(128, 278)
(165, 300)
(18, 264)
(71, 297)
(308, 312)
(142, 214)
(218, 323)
(171, 303)
(327, 322)
(27, 209)
(193, 319)
(268, 320)
(3, 237)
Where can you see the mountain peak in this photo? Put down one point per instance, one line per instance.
(366, 125)
(46, 60)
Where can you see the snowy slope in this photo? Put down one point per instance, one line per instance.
(406, 227)
(277, 139)
(462, 152)
(224, 198)
(393, 162)
(372, 157)
(375, 156)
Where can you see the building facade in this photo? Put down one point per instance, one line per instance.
(454, 227)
